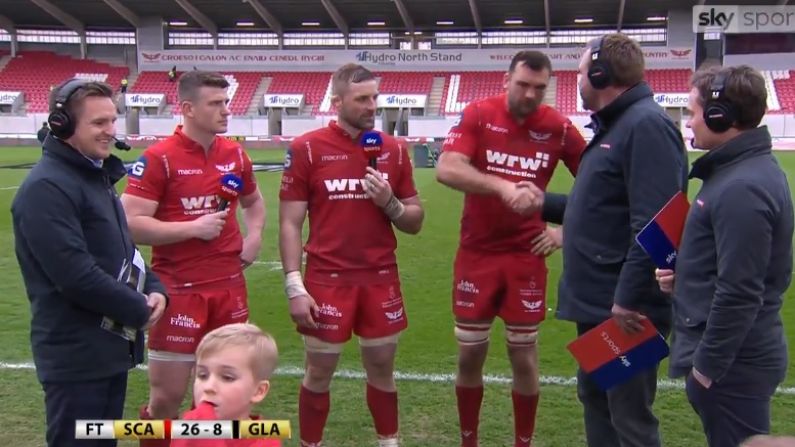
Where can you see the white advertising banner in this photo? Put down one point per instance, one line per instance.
(386, 60)
(393, 101)
(143, 99)
(282, 101)
(672, 100)
(8, 98)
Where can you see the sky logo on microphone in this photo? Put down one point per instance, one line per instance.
(231, 186)
(371, 143)
(232, 182)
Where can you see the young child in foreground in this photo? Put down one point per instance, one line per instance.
(233, 367)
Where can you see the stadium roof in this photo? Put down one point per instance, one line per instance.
(346, 15)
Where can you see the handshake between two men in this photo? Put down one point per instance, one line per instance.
(524, 197)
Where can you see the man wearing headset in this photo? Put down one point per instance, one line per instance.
(734, 262)
(90, 293)
(634, 164)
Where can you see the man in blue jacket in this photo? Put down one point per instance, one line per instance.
(90, 293)
(734, 263)
(634, 164)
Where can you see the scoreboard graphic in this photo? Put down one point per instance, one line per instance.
(181, 429)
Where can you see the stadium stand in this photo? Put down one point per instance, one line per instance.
(785, 89)
(242, 86)
(669, 80)
(24, 73)
(312, 85)
(567, 92)
(467, 86)
(156, 82)
(661, 81)
(407, 83)
(773, 105)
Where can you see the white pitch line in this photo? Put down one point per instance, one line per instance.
(8, 188)
(274, 265)
(294, 371)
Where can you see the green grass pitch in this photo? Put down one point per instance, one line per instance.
(426, 356)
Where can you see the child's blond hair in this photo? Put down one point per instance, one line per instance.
(262, 346)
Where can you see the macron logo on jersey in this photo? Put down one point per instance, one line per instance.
(516, 165)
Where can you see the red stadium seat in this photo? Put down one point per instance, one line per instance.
(24, 73)
(312, 85)
(785, 88)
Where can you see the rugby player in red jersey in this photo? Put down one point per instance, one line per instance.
(351, 283)
(497, 145)
(173, 202)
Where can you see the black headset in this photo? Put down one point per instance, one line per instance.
(599, 72)
(719, 113)
(62, 124)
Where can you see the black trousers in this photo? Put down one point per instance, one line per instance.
(733, 409)
(621, 416)
(67, 402)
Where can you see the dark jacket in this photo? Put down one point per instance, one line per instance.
(72, 243)
(42, 134)
(634, 164)
(734, 264)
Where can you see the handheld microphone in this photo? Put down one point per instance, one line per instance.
(121, 145)
(371, 142)
(231, 185)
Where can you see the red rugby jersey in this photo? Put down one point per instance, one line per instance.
(496, 144)
(347, 231)
(185, 182)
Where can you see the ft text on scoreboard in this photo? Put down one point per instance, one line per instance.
(181, 429)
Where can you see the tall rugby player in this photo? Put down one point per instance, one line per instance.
(498, 146)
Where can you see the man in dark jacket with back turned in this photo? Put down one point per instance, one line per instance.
(635, 163)
(734, 262)
(43, 131)
(90, 292)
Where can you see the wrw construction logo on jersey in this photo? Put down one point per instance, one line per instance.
(347, 188)
(199, 204)
(516, 165)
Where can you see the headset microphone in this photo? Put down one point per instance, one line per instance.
(121, 145)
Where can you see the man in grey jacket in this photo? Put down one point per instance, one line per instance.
(734, 262)
(634, 164)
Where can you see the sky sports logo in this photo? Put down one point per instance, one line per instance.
(735, 19)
